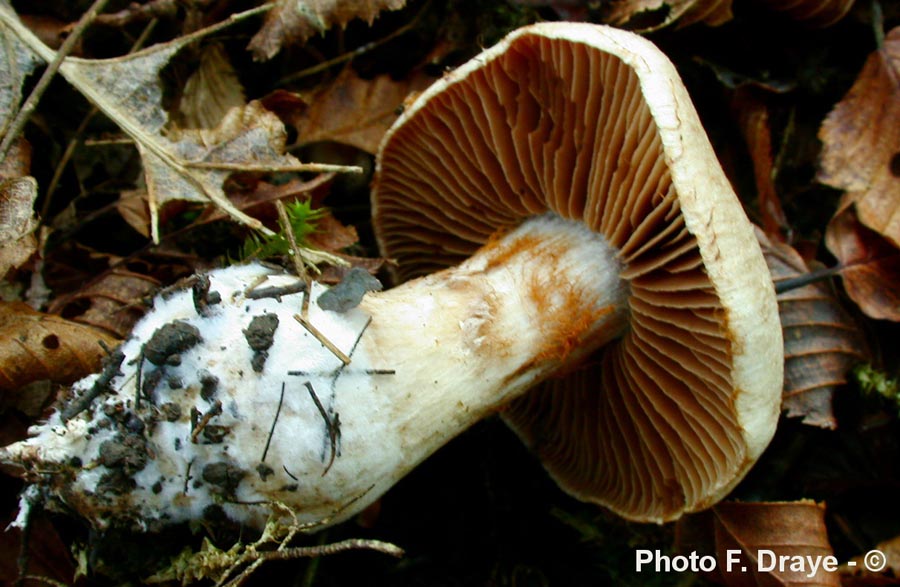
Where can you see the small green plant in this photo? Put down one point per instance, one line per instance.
(874, 382)
(302, 217)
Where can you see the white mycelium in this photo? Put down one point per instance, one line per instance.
(224, 402)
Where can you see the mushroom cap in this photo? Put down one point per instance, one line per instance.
(593, 123)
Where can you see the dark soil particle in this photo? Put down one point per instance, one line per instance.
(260, 335)
(171, 339)
(261, 332)
(116, 482)
(264, 470)
(203, 298)
(127, 453)
(151, 380)
(213, 434)
(170, 412)
(134, 424)
(224, 476)
(209, 385)
(258, 362)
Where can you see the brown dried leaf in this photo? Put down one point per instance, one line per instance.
(871, 263)
(793, 529)
(821, 340)
(37, 346)
(753, 119)
(112, 303)
(861, 142)
(814, 13)
(211, 91)
(196, 164)
(134, 208)
(17, 222)
(331, 235)
(649, 15)
(126, 89)
(294, 21)
(48, 556)
(349, 110)
(256, 196)
(16, 63)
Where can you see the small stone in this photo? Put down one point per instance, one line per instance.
(349, 292)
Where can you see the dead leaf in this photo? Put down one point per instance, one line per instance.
(331, 235)
(134, 208)
(349, 110)
(571, 10)
(51, 31)
(822, 342)
(113, 302)
(292, 22)
(37, 346)
(211, 91)
(753, 533)
(813, 13)
(17, 61)
(258, 194)
(197, 165)
(858, 575)
(126, 89)
(48, 555)
(753, 119)
(871, 263)
(649, 15)
(17, 222)
(861, 142)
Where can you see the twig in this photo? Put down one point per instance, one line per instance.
(334, 548)
(805, 279)
(300, 167)
(134, 12)
(111, 364)
(276, 291)
(209, 415)
(323, 339)
(274, 421)
(332, 426)
(288, 230)
(24, 113)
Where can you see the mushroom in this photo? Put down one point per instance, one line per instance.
(594, 247)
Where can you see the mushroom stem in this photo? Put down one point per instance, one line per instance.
(463, 342)
(323, 429)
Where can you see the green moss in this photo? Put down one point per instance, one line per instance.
(303, 218)
(873, 382)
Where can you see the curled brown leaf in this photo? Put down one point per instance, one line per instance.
(292, 22)
(861, 142)
(744, 538)
(349, 110)
(822, 342)
(36, 346)
(17, 222)
(871, 264)
(648, 15)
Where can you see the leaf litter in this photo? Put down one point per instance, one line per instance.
(198, 150)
